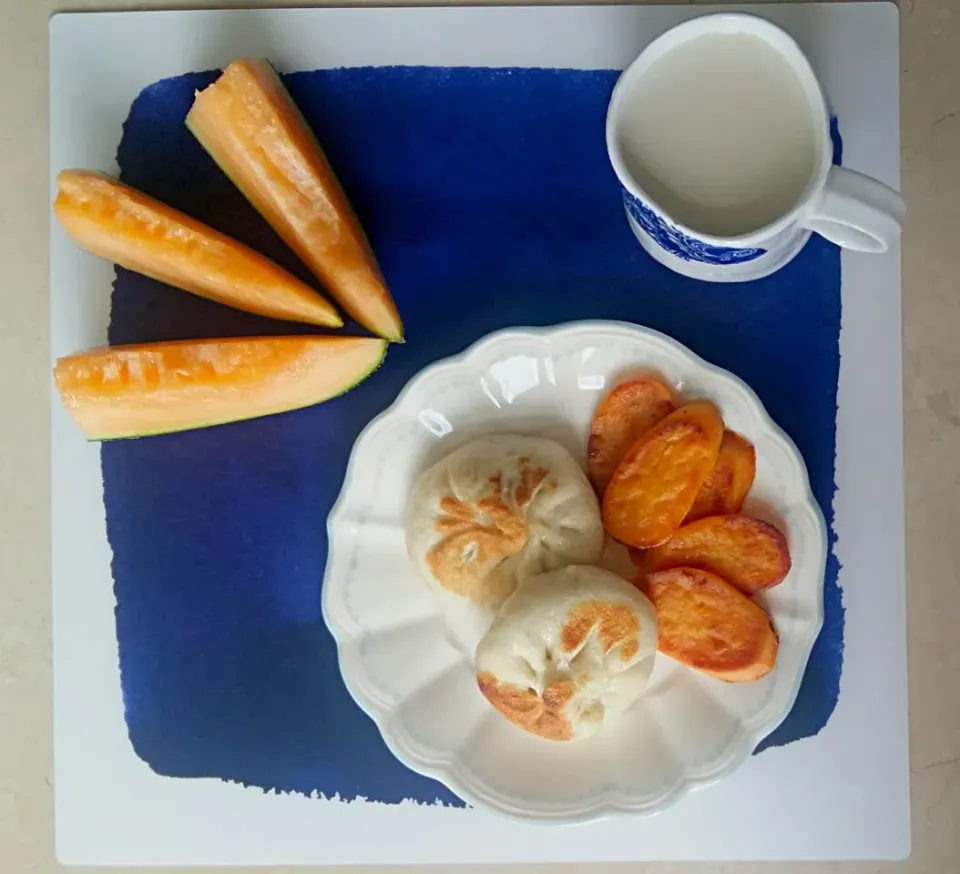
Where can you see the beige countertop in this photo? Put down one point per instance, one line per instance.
(930, 82)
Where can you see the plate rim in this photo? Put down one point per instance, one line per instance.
(445, 770)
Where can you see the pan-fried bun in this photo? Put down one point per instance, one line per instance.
(498, 510)
(569, 651)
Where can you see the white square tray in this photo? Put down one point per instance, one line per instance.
(841, 794)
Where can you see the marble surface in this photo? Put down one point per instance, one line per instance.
(930, 83)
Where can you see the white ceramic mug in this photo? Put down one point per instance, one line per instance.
(850, 209)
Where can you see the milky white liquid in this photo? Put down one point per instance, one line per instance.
(720, 133)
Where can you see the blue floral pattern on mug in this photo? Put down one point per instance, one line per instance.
(676, 243)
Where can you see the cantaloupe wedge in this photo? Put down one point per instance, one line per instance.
(134, 391)
(136, 231)
(252, 128)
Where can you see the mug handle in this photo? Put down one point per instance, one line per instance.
(857, 212)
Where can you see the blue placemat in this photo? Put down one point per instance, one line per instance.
(490, 202)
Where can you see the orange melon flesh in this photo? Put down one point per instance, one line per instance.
(119, 223)
(252, 128)
(134, 391)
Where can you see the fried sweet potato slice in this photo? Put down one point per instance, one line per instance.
(625, 415)
(654, 487)
(706, 623)
(730, 480)
(750, 554)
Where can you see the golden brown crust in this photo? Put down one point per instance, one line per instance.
(616, 623)
(707, 624)
(474, 539)
(746, 552)
(542, 715)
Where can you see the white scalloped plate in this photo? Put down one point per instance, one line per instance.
(408, 664)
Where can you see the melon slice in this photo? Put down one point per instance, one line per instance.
(119, 223)
(133, 391)
(252, 128)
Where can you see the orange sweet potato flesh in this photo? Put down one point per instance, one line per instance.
(707, 624)
(730, 480)
(625, 415)
(750, 554)
(654, 487)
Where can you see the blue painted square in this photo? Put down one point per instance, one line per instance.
(489, 200)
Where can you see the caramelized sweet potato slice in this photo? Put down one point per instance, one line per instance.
(654, 487)
(750, 554)
(625, 415)
(705, 623)
(730, 480)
